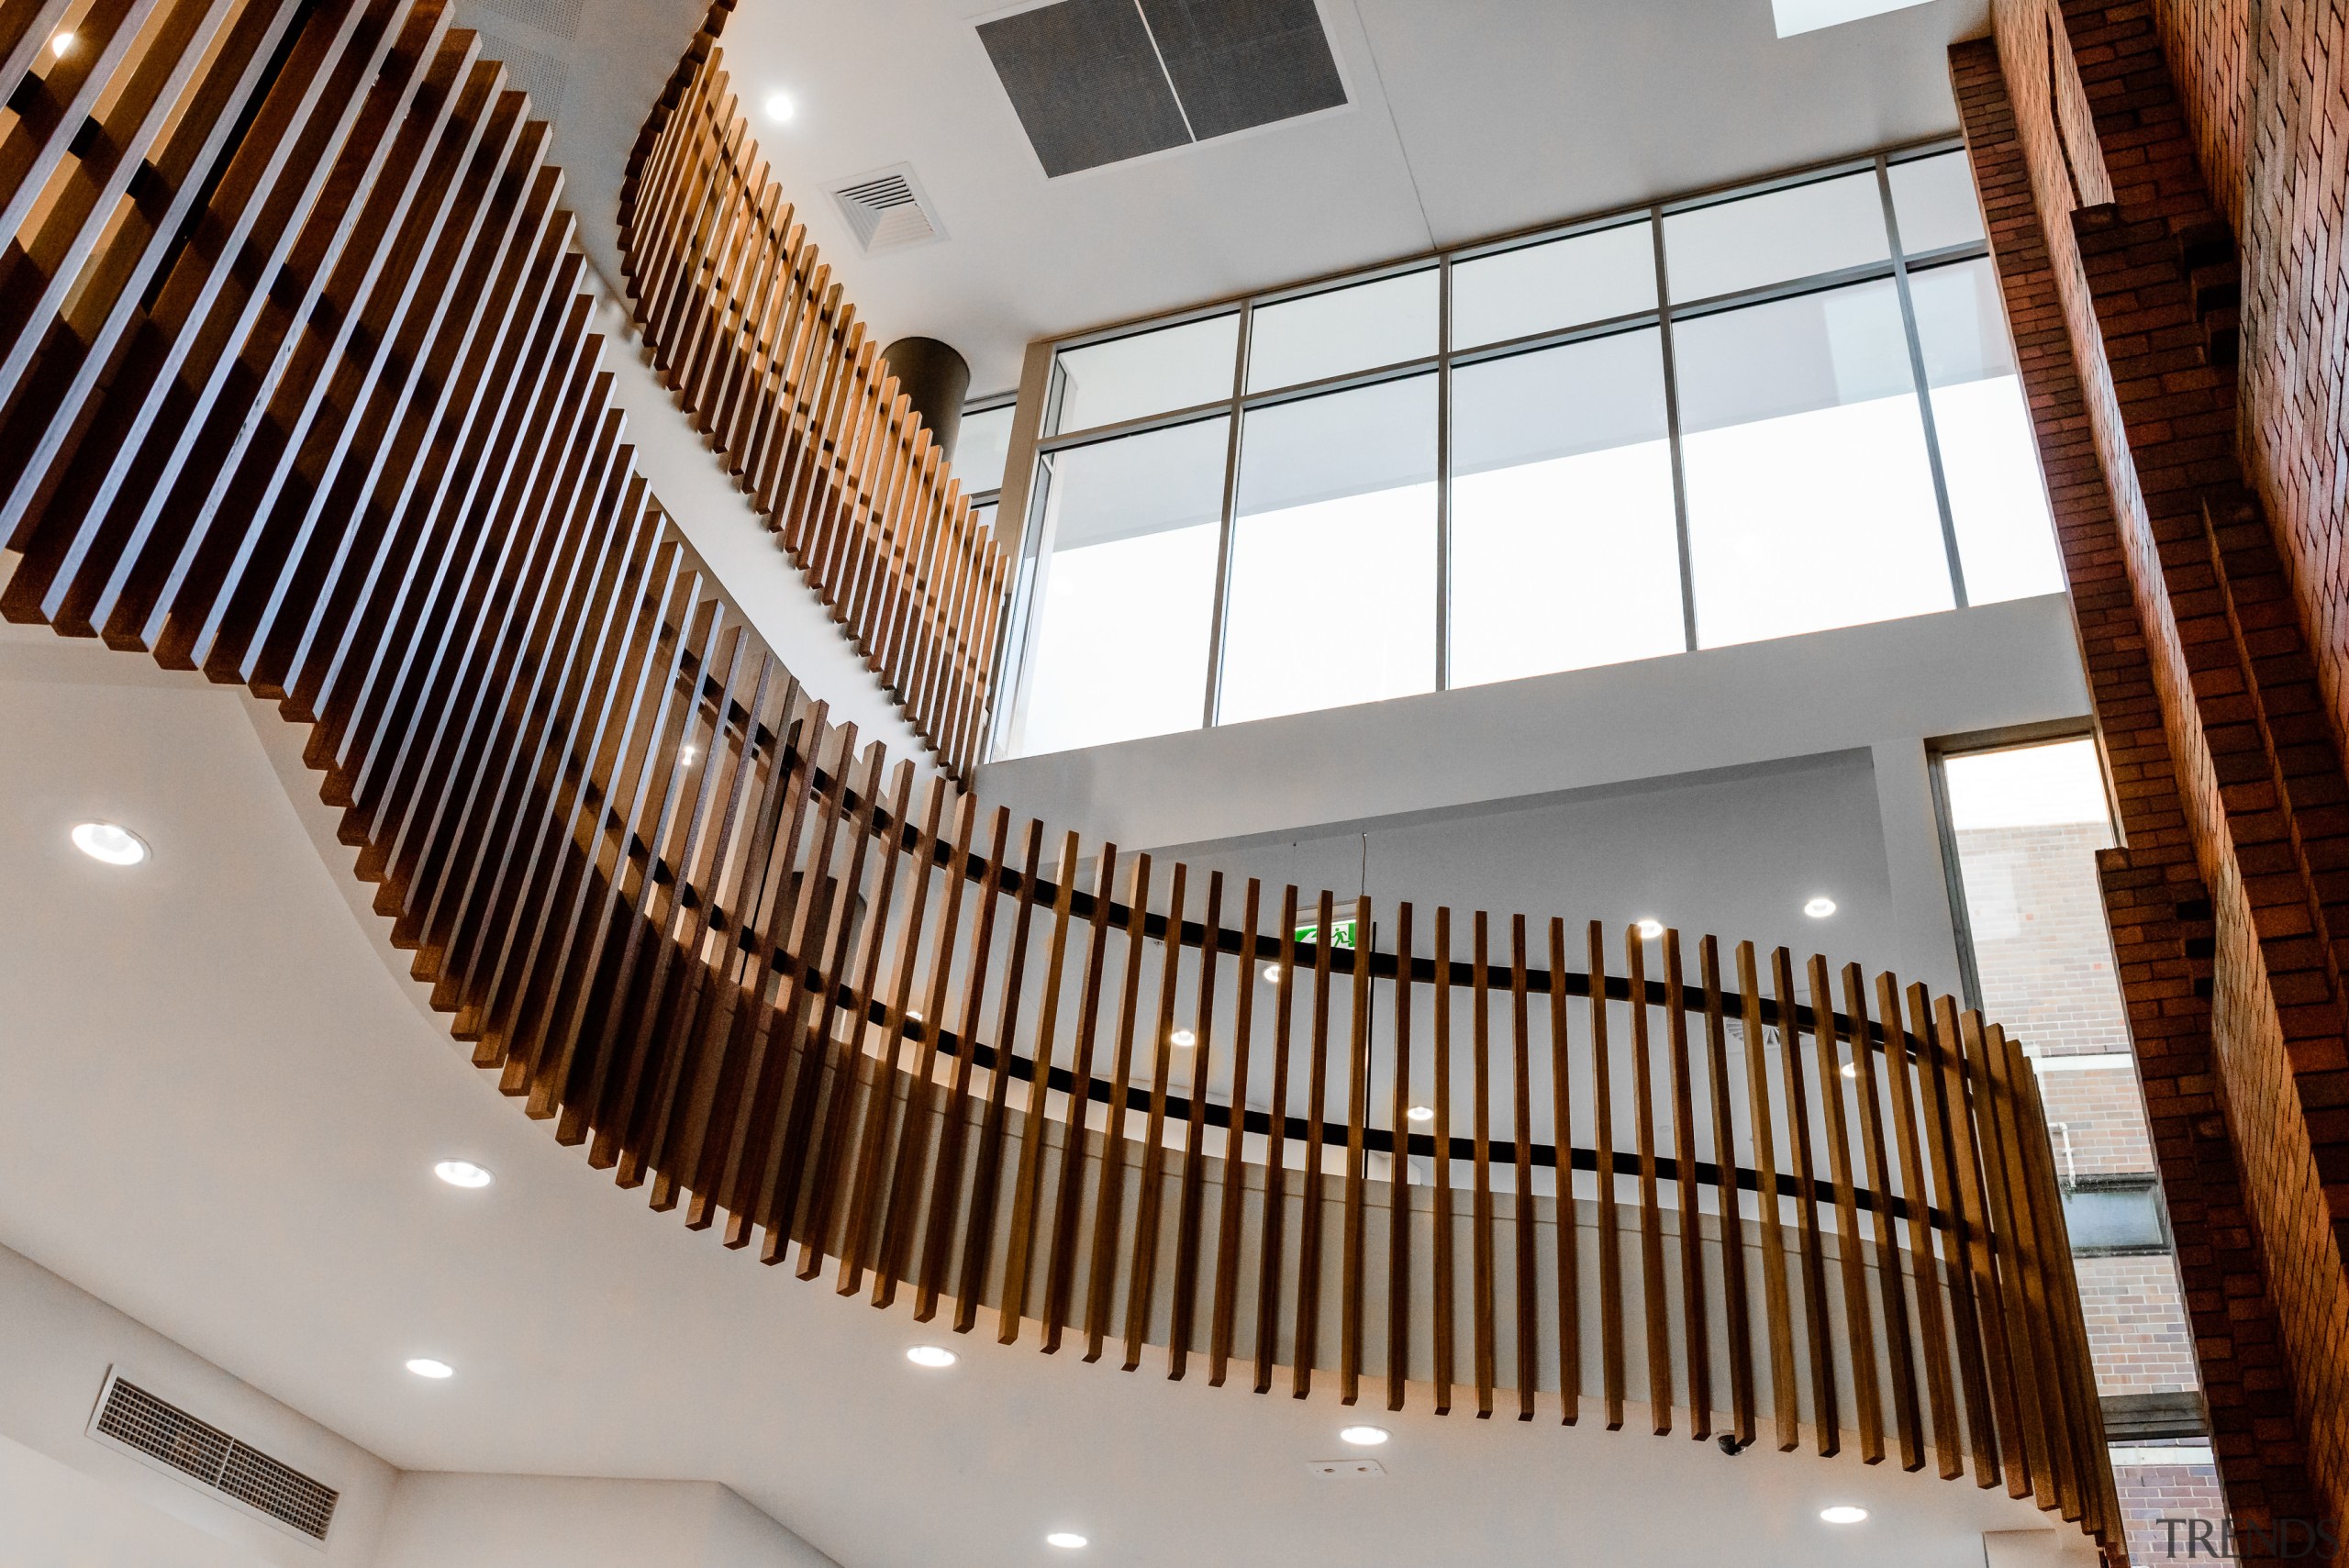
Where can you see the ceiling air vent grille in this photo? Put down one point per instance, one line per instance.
(888, 209)
(134, 1419)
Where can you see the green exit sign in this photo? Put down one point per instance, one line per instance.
(1342, 933)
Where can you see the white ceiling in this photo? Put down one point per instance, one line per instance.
(1467, 117)
(218, 1107)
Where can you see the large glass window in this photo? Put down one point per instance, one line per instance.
(1333, 554)
(1564, 549)
(1811, 420)
(1810, 495)
(2005, 537)
(982, 448)
(1124, 588)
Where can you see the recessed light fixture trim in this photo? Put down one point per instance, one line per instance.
(1819, 908)
(1362, 1437)
(1184, 1038)
(780, 107)
(425, 1366)
(1272, 973)
(1843, 1513)
(461, 1174)
(1648, 927)
(1421, 1113)
(930, 1355)
(1066, 1539)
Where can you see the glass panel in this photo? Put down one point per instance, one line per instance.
(1354, 328)
(1990, 457)
(1933, 199)
(1332, 595)
(1125, 589)
(1564, 549)
(1126, 378)
(985, 516)
(1793, 233)
(982, 448)
(1811, 501)
(1589, 277)
(2116, 1217)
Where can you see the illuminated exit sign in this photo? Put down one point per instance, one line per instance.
(1342, 933)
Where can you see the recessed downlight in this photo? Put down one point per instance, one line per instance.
(1843, 1513)
(1272, 973)
(1851, 1070)
(62, 45)
(1362, 1437)
(1066, 1539)
(1648, 927)
(780, 108)
(461, 1174)
(1184, 1038)
(930, 1355)
(425, 1366)
(1819, 908)
(1421, 1113)
(117, 846)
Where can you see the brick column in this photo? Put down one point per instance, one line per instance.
(2158, 640)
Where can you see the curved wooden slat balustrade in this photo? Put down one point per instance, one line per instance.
(298, 391)
(775, 369)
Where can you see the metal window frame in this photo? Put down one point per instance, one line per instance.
(1897, 266)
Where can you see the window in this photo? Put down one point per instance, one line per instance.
(1333, 554)
(1127, 582)
(1589, 277)
(1565, 551)
(983, 447)
(1807, 418)
(1151, 373)
(2005, 537)
(1381, 323)
(1824, 226)
(1810, 495)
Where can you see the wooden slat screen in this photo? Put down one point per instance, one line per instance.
(772, 366)
(299, 393)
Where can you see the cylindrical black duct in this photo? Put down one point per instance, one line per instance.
(937, 379)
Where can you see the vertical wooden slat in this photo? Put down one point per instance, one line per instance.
(1228, 1223)
(1932, 1333)
(978, 1240)
(1480, 1239)
(1399, 1211)
(1825, 1417)
(1562, 1123)
(1891, 1296)
(1110, 1184)
(1445, 1329)
(1694, 1310)
(1357, 1116)
(1068, 1205)
(1191, 1216)
(1307, 1339)
(2008, 1241)
(1658, 1348)
(1270, 1227)
(1026, 1182)
(1786, 1410)
(1735, 1323)
(1142, 1280)
(1528, 1354)
(1610, 1233)
(1974, 1311)
(1859, 1324)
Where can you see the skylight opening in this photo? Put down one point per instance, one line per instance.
(1810, 15)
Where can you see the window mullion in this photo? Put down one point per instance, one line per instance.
(1213, 698)
(1923, 384)
(1672, 433)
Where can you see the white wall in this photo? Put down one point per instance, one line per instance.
(441, 1520)
(56, 1343)
(51, 1514)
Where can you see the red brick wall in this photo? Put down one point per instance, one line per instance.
(2137, 1332)
(2039, 942)
(2270, 114)
(2136, 430)
(2151, 1493)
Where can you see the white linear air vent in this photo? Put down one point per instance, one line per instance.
(888, 209)
(195, 1450)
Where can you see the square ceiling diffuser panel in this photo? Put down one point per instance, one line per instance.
(1098, 82)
